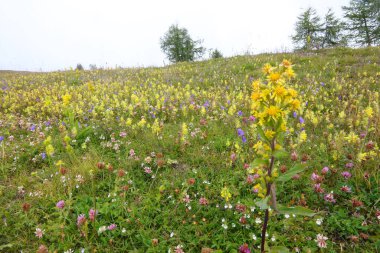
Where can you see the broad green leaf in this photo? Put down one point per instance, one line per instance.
(279, 154)
(278, 249)
(297, 210)
(290, 173)
(258, 162)
(263, 204)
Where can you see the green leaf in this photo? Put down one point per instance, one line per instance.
(297, 210)
(290, 173)
(258, 161)
(262, 134)
(263, 204)
(9, 245)
(279, 154)
(278, 249)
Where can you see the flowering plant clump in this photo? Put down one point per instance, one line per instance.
(272, 104)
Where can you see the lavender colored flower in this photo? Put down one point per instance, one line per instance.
(112, 227)
(1, 138)
(240, 132)
(43, 155)
(302, 121)
(294, 114)
(252, 118)
(32, 128)
(60, 204)
(240, 113)
(349, 165)
(243, 139)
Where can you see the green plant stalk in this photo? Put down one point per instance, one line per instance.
(269, 192)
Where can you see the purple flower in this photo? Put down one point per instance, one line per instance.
(32, 128)
(61, 204)
(346, 174)
(1, 138)
(81, 220)
(302, 121)
(294, 114)
(243, 139)
(43, 155)
(252, 118)
(240, 113)
(240, 132)
(111, 227)
(349, 165)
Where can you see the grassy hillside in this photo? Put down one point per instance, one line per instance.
(136, 160)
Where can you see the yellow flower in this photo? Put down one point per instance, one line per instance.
(280, 91)
(274, 77)
(302, 136)
(225, 193)
(269, 134)
(369, 111)
(66, 99)
(293, 93)
(290, 73)
(286, 63)
(295, 104)
(272, 111)
(59, 163)
(255, 96)
(49, 150)
(267, 68)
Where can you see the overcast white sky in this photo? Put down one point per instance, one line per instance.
(57, 34)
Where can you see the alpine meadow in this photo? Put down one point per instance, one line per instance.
(212, 150)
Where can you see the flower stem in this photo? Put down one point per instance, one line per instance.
(269, 192)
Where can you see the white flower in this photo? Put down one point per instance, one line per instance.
(258, 221)
(102, 229)
(252, 209)
(171, 234)
(273, 238)
(123, 230)
(287, 216)
(319, 221)
(254, 237)
(225, 226)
